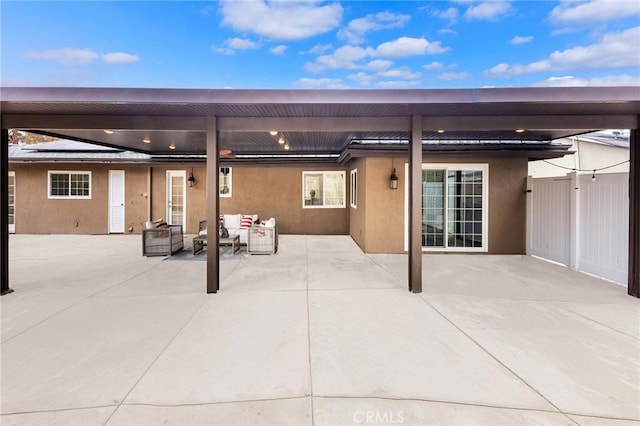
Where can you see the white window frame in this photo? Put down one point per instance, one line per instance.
(229, 179)
(69, 172)
(324, 173)
(353, 188)
(484, 167)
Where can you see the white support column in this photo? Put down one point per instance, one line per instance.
(529, 230)
(574, 230)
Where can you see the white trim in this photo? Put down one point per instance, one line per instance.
(230, 182)
(323, 173)
(353, 188)
(183, 175)
(484, 167)
(68, 197)
(124, 204)
(12, 226)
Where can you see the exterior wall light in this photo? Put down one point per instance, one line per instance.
(393, 179)
(191, 180)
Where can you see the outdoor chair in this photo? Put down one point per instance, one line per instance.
(262, 240)
(163, 241)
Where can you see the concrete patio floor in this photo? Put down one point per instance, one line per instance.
(319, 334)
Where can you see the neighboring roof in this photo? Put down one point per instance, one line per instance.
(617, 138)
(70, 151)
(312, 121)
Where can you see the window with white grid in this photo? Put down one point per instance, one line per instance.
(69, 184)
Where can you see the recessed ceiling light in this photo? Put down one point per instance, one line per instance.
(109, 132)
(286, 146)
(172, 146)
(440, 130)
(281, 140)
(146, 140)
(273, 132)
(519, 130)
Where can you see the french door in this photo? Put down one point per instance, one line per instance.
(176, 198)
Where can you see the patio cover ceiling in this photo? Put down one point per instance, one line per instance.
(313, 121)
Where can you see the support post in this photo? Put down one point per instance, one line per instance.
(414, 180)
(633, 280)
(213, 207)
(4, 212)
(574, 232)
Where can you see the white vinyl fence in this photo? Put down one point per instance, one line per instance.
(581, 223)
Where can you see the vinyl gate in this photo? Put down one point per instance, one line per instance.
(581, 223)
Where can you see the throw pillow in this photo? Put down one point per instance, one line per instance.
(232, 221)
(246, 221)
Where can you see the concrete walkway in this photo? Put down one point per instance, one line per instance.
(319, 334)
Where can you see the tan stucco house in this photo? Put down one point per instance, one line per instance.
(471, 203)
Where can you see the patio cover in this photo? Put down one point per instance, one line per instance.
(319, 124)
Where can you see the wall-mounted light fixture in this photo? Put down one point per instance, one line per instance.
(393, 179)
(191, 180)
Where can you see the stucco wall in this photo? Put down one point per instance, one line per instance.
(277, 192)
(37, 214)
(384, 208)
(265, 191)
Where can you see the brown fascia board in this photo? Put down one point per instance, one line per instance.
(531, 151)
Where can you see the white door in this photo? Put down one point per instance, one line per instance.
(12, 202)
(176, 200)
(116, 201)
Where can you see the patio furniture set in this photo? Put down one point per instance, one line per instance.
(160, 239)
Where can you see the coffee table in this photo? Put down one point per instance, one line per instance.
(234, 241)
(200, 241)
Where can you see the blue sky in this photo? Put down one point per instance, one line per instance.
(247, 44)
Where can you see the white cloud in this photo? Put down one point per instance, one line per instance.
(488, 10)
(378, 65)
(344, 57)
(362, 78)
(447, 31)
(66, 56)
(589, 12)
(74, 56)
(521, 40)
(320, 83)
(120, 58)
(318, 49)
(614, 50)
(449, 76)
(450, 14)
(404, 73)
(278, 50)
(281, 20)
(235, 43)
(433, 66)
(355, 31)
(408, 46)
(571, 81)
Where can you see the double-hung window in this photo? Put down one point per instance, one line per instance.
(323, 189)
(455, 207)
(69, 184)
